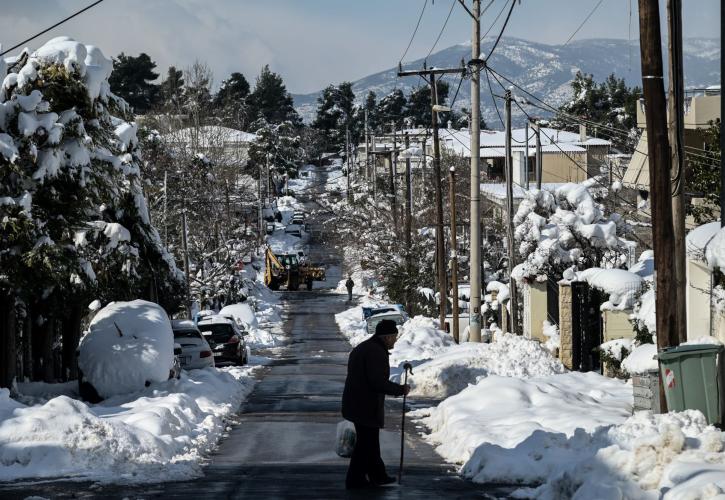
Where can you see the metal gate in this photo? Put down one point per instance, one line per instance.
(552, 301)
(586, 323)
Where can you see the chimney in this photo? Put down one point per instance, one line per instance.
(582, 133)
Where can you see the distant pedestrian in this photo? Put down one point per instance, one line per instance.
(349, 284)
(363, 404)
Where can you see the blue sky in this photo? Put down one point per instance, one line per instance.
(315, 42)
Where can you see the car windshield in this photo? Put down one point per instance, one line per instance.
(219, 332)
(186, 334)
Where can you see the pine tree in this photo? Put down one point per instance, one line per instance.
(392, 108)
(271, 101)
(131, 80)
(703, 176)
(171, 90)
(230, 101)
(335, 111)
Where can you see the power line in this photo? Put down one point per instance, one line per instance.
(584, 21)
(443, 28)
(52, 27)
(503, 28)
(417, 25)
(500, 13)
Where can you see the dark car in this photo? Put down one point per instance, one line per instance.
(225, 339)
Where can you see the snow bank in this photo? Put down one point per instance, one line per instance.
(128, 344)
(671, 456)
(455, 366)
(511, 430)
(160, 433)
(419, 338)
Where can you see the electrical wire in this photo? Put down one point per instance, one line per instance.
(503, 28)
(584, 21)
(443, 28)
(51, 27)
(417, 25)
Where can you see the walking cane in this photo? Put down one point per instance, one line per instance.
(406, 368)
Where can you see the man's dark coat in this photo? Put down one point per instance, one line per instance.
(368, 371)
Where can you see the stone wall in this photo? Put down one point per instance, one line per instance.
(565, 325)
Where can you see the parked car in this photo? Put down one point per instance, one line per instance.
(371, 311)
(195, 350)
(372, 321)
(225, 339)
(294, 230)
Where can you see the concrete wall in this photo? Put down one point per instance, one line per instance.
(697, 295)
(617, 325)
(565, 326)
(558, 167)
(534, 295)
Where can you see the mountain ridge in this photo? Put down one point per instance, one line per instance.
(542, 69)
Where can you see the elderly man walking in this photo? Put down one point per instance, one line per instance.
(363, 404)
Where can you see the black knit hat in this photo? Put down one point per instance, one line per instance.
(386, 327)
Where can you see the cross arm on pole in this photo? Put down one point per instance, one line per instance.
(463, 4)
(432, 71)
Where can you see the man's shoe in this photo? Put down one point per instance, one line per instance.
(384, 480)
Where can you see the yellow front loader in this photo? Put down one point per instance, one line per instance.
(286, 269)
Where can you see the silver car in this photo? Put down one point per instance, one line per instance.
(195, 350)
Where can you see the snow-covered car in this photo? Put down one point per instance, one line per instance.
(128, 346)
(372, 321)
(371, 311)
(242, 313)
(195, 350)
(225, 339)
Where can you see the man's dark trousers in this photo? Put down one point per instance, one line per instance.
(365, 458)
(349, 294)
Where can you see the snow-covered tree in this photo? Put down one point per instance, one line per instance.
(75, 225)
(566, 228)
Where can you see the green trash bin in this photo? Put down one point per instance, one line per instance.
(691, 375)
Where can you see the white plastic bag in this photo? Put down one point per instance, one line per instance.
(345, 439)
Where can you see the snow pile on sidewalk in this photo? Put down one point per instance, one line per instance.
(573, 434)
(512, 430)
(128, 344)
(419, 338)
(160, 433)
(457, 366)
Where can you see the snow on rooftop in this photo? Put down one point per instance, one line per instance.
(209, 136)
(498, 189)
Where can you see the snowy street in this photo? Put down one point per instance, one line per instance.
(282, 443)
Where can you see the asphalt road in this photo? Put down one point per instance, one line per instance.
(282, 444)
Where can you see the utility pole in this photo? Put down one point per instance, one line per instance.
(349, 163)
(510, 222)
(375, 174)
(186, 263)
(260, 224)
(676, 105)
(367, 148)
(539, 157)
(475, 260)
(393, 172)
(722, 118)
(526, 154)
(658, 150)
(408, 219)
(454, 253)
(166, 209)
(440, 243)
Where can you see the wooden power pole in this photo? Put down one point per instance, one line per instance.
(513, 296)
(676, 105)
(658, 149)
(442, 281)
(408, 220)
(454, 253)
(393, 173)
(539, 157)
